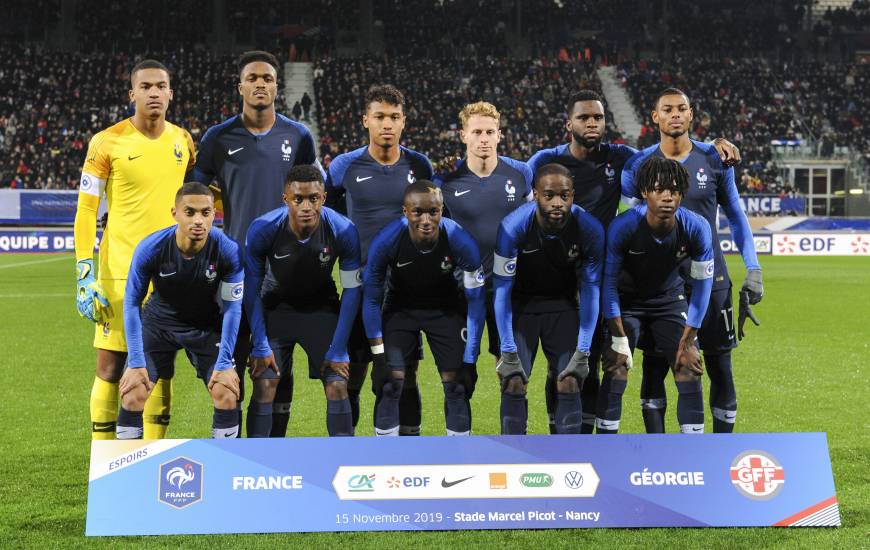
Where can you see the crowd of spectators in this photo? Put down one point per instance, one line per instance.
(753, 101)
(530, 95)
(51, 104)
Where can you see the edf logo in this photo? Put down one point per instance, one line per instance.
(180, 482)
(757, 475)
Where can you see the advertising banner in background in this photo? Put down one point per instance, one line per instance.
(452, 483)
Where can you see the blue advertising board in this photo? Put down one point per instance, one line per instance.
(451, 483)
(39, 240)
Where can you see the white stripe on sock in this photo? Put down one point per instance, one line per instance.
(603, 424)
(451, 432)
(657, 403)
(225, 433)
(725, 415)
(692, 428)
(394, 431)
(128, 432)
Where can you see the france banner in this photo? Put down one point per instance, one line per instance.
(448, 483)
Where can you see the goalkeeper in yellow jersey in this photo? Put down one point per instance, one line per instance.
(139, 164)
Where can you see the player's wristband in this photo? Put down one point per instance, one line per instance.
(619, 344)
(378, 349)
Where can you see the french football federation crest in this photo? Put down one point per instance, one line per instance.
(324, 256)
(701, 178)
(610, 173)
(447, 264)
(411, 177)
(573, 252)
(286, 149)
(681, 253)
(177, 153)
(210, 272)
(511, 191)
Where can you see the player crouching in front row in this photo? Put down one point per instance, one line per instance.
(189, 265)
(422, 250)
(644, 293)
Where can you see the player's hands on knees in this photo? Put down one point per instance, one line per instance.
(340, 368)
(509, 365)
(227, 378)
(728, 152)
(258, 365)
(618, 355)
(578, 367)
(689, 359)
(132, 378)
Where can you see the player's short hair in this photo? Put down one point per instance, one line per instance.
(481, 108)
(423, 187)
(193, 188)
(671, 91)
(385, 93)
(552, 169)
(661, 173)
(583, 95)
(304, 173)
(147, 64)
(253, 56)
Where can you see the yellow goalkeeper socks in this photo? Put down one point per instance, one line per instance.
(104, 409)
(157, 409)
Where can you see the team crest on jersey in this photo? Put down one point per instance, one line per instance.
(573, 252)
(511, 191)
(681, 253)
(610, 173)
(324, 256)
(177, 153)
(411, 177)
(286, 149)
(447, 264)
(211, 272)
(701, 178)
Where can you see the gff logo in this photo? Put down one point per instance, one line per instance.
(757, 475)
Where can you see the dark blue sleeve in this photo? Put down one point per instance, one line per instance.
(422, 165)
(629, 188)
(542, 157)
(591, 268)
(204, 170)
(138, 279)
(702, 270)
(349, 262)
(375, 278)
(334, 180)
(618, 234)
(511, 229)
(729, 198)
(467, 255)
(259, 239)
(232, 294)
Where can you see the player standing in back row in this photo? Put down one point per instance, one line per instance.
(711, 184)
(249, 156)
(372, 182)
(139, 164)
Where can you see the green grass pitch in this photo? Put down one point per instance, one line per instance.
(804, 369)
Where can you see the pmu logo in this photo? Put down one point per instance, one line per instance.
(180, 482)
(286, 149)
(757, 475)
(361, 483)
(536, 480)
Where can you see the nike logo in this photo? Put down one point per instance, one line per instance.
(131, 157)
(359, 179)
(403, 264)
(277, 257)
(167, 274)
(446, 484)
(460, 193)
(636, 252)
(232, 152)
(697, 429)
(530, 251)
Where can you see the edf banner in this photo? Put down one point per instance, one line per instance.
(451, 483)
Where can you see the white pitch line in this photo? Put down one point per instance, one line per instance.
(50, 295)
(32, 262)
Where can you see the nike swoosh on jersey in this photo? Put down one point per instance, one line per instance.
(232, 152)
(277, 257)
(446, 484)
(131, 157)
(636, 252)
(359, 179)
(403, 264)
(460, 193)
(530, 251)
(167, 274)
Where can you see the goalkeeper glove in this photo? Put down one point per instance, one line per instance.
(752, 286)
(744, 310)
(90, 299)
(508, 365)
(578, 367)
